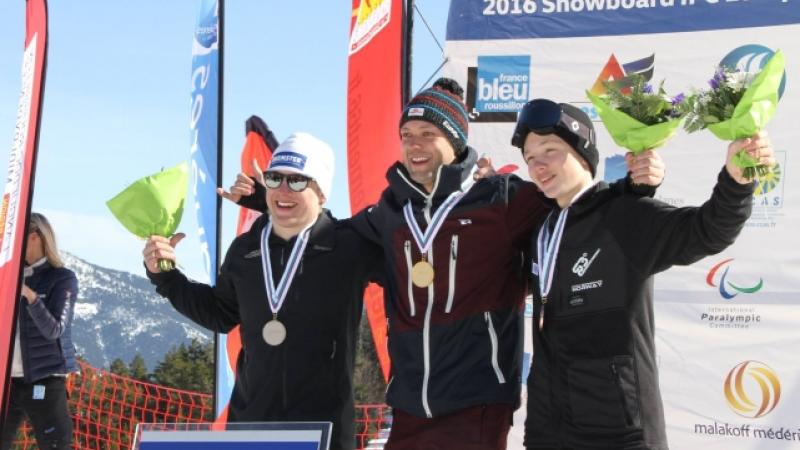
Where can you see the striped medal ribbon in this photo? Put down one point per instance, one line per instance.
(547, 251)
(274, 332)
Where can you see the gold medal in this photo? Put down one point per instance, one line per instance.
(422, 274)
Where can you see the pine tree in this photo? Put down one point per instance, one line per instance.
(188, 367)
(119, 367)
(138, 369)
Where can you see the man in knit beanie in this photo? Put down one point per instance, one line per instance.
(433, 131)
(441, 105)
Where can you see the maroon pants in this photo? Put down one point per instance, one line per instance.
(483, 427)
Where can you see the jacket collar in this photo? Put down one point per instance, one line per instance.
(38, 266)
(448, 180)
(321, 237)
(588, 201)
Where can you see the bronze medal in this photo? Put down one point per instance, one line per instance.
(422, 274)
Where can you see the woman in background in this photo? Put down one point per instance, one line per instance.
(43, 351)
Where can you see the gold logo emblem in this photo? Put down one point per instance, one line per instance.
(752, 389)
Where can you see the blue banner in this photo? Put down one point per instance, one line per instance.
(527, 19)
(205, 138)
(203, 126)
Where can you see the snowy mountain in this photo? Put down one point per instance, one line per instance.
(119, 314)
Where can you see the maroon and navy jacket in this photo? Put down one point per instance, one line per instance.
(458, 342)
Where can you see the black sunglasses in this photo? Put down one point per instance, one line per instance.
(542, 116)
(296, 183)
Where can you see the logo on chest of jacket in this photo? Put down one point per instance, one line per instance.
(253, 254)
(576, 297)
(576, 300)
(583, 263)
(586, 286)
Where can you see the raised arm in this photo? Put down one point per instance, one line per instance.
(214, 308)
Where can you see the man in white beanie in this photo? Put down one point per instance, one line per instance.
(299, 319)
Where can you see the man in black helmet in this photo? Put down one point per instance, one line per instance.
(593, 381)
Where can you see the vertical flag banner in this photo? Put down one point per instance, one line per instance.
(18, 191)
(375, 83)
(726, 325)
(205, 153)
(259, 144)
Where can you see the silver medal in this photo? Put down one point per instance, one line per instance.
(274, 333)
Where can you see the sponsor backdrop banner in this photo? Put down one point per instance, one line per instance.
(726, 325)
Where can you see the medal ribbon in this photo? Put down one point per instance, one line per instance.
(547, 251)
(277, 294)
(425, 240)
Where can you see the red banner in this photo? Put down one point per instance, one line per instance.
(16, 200)
(374, 102)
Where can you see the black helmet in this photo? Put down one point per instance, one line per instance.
(543, 116)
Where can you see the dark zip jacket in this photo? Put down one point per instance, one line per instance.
(457, 343)
(594, 380)
(309, 377)
(45, 326)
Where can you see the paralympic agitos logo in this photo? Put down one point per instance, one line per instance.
(727, 289)
(752, 389)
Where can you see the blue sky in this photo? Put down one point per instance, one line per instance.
(118, 93)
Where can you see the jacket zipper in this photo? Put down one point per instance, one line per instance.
(451, 290)
(409, 264)
(618, 382)
(426, 347)
(426, 328)
(493, 339)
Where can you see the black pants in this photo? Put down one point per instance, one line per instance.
(49, 416)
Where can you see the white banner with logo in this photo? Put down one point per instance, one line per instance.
(727, 326)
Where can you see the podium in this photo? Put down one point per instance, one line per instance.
(233, 436)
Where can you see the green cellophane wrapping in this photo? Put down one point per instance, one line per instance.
(752, 113)
(628, 132)
(153, 205)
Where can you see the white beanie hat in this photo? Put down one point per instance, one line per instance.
(306, 155)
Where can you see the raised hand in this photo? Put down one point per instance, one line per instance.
(646, 168)
(159, 248)
(485, 168)
(244, 186)
(757, 146)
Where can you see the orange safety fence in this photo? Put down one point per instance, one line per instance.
(106, 408)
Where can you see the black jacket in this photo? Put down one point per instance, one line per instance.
(458, 343)
(309, 377)
(45, 327)
(594, 381)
